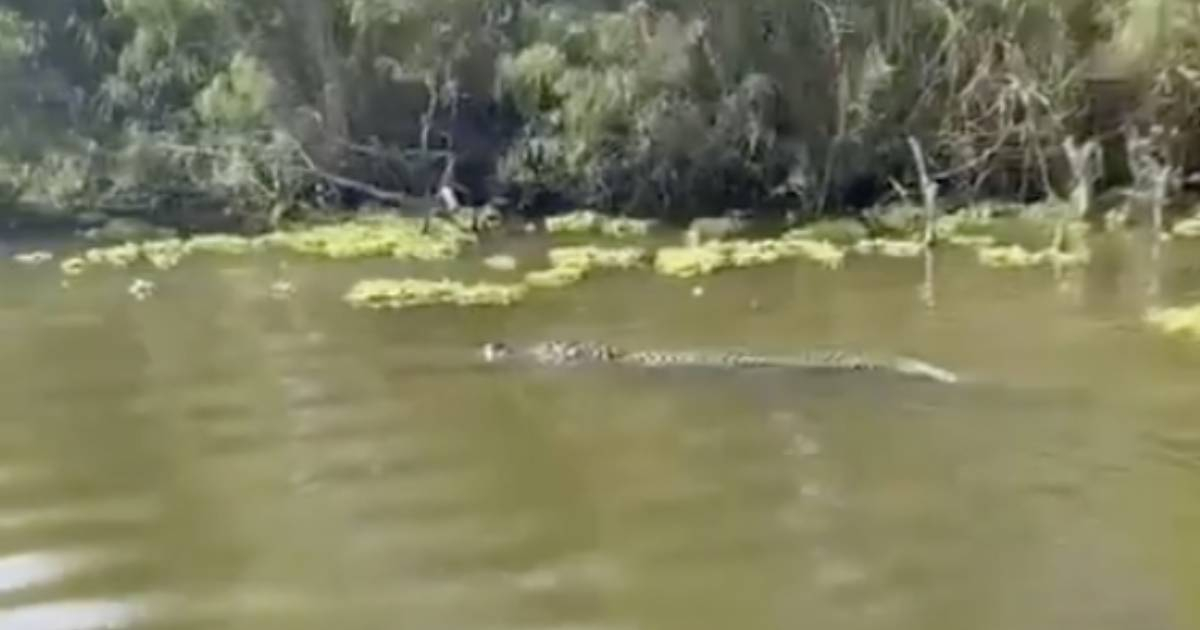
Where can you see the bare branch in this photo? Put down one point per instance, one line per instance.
(928, 192)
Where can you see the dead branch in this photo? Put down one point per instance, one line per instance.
(1083, 160)
(928, 192)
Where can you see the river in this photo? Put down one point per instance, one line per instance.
(218, 457)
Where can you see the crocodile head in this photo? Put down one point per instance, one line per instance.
(496, 351)
(565, 352)
(550, 352)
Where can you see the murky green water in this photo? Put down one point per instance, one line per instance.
(217, 458)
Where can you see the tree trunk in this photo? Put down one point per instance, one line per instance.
(317, 28)
(300, 51)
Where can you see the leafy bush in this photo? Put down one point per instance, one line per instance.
(675, 109)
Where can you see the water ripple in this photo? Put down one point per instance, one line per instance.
(38, 568)
(1180, 448)
(75, 615)
(90, 513)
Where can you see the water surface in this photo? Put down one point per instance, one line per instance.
(214, 457)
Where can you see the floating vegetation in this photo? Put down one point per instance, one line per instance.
(1187, 228)
(73, 266)
(844, 232)
(555, 277)
(891, 248)
(1009, 256)
(500, 262)
(822, 252)
(33, 258)
(590, 257)
(228, 244)
(686, 262)
(577, 222)
(428, 250)
(625, 227)
(592, 222)
(968, 241)
(141, 289)
(375, 237)
(165, 254)
(1034, 230)
(570, 265)
(406, 293)
(1179, 321)
(369, 237)
(752, 253)
(115, 256)
(281, 289)
(1015, 256)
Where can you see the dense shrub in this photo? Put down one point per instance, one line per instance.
(672, 107)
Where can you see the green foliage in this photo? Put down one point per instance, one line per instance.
(678, 108)
(532, 78)
(62, 179)
(616, 116)
(238, 97)
(173, 49)
(18, 38)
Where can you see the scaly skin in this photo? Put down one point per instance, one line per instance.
(553, 352)
(564, 353)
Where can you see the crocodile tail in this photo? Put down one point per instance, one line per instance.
(916, 367)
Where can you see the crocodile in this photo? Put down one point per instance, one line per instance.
(565, 353)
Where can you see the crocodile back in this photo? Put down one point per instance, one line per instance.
(571, 352)
(663, 358)
(564, 353)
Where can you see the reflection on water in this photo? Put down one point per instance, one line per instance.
(216, 457)
(73, 615)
